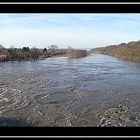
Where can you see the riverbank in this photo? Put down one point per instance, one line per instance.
(126, 51)
(25, 54)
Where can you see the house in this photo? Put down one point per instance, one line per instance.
(4, 54)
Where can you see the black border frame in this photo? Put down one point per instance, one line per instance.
(70, 8)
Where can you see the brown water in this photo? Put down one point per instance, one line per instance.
(96, 90)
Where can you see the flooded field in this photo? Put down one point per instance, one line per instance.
(96, 90)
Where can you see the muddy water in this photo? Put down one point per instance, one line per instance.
(96, 90)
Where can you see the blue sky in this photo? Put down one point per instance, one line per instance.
(64, 30)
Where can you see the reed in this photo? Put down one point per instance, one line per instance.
(72, 53)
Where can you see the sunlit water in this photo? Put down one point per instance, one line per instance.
(96, 90)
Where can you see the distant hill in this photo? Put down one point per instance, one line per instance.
(129, 51)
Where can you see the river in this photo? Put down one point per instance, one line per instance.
(97, 90)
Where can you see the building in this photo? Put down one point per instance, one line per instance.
(4, 54)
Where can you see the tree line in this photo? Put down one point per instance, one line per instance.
(26, 53)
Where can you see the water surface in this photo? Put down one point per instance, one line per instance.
(96, 90)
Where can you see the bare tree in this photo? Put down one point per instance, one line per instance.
(52, 49)
(34, 53)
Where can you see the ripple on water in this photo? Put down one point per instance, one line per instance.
(71, 92)
(12, 99)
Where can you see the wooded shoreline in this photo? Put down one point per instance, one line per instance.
(26, 53)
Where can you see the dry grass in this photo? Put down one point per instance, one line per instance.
(129, 51)
(71, 53)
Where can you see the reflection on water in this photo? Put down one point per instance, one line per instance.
(96, 90)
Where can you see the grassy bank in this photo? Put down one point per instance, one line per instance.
(73, 53)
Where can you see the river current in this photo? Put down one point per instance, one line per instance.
(96, 90)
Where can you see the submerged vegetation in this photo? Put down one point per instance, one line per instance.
(129, 51)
